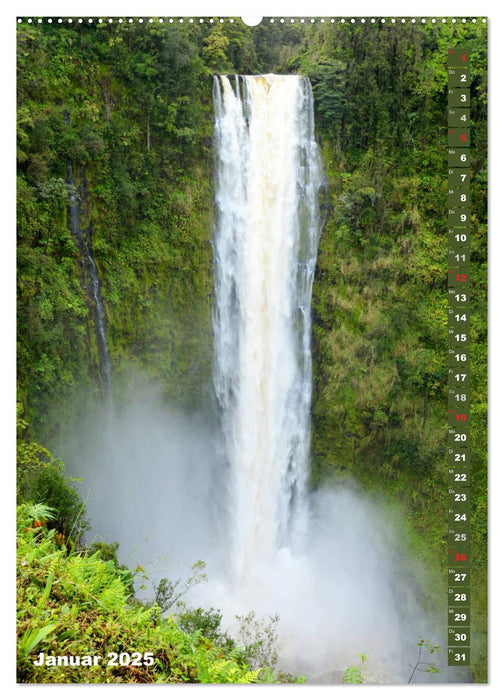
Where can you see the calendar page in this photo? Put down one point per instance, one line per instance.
(252, 349)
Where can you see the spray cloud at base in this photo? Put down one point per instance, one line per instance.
(153, 480)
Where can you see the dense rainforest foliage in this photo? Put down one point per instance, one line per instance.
(119, 115)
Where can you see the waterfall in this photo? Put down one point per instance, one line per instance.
(90, 272)
(268, 175)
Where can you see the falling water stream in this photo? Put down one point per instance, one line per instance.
(323, 560)
(268, 174)
(90, 272)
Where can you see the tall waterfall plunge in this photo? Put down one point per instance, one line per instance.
(331, 562)
(268, 175)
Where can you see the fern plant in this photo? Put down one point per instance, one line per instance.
(356, 674)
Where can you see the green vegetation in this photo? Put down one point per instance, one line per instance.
(130, 107)
(78, 604)
(380, 302)
(41, 478)
(356, 674)
(76, 600)
(425, 646)
(170, 592)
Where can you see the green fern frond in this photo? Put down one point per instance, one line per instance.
(33, 637)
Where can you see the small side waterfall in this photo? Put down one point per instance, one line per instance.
(268, 176)
(91, 278)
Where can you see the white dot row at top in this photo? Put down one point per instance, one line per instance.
(272, 20)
